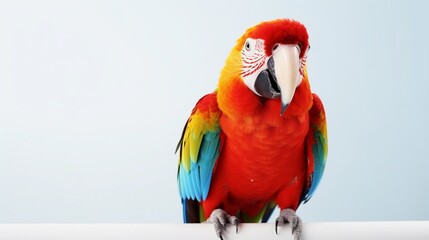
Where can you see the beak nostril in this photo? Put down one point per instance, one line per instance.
(275, 47)
(299, 48)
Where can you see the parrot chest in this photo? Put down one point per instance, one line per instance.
(259, 160)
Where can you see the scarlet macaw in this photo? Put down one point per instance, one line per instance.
(260, 139)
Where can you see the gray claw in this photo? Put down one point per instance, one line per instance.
(277, 225)
(220, 219)
(289, 215)
(235, 223)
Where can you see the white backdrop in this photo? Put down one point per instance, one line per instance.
(94, 95)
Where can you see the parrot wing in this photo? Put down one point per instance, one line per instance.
(199, 149)
(317, 147)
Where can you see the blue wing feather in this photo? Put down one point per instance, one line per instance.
(209, 153)
(203, 134)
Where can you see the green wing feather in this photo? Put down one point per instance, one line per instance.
(317, 147)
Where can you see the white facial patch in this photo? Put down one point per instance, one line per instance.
(254, 61)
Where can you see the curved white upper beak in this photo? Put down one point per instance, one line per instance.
(286, 65)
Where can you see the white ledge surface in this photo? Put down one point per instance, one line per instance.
(321, 231)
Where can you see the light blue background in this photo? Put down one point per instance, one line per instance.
(94, 95)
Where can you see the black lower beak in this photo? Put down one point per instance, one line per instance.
(266, 82)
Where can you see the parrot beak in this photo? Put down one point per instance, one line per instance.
(284, 65)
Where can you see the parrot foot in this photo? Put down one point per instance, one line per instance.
(289, 216)
(220, 219)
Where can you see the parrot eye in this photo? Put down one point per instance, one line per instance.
(247, 46)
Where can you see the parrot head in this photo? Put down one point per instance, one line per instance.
(269, 59)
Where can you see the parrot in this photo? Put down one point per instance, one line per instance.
(259, 141)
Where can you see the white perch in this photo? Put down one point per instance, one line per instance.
(320, 231)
